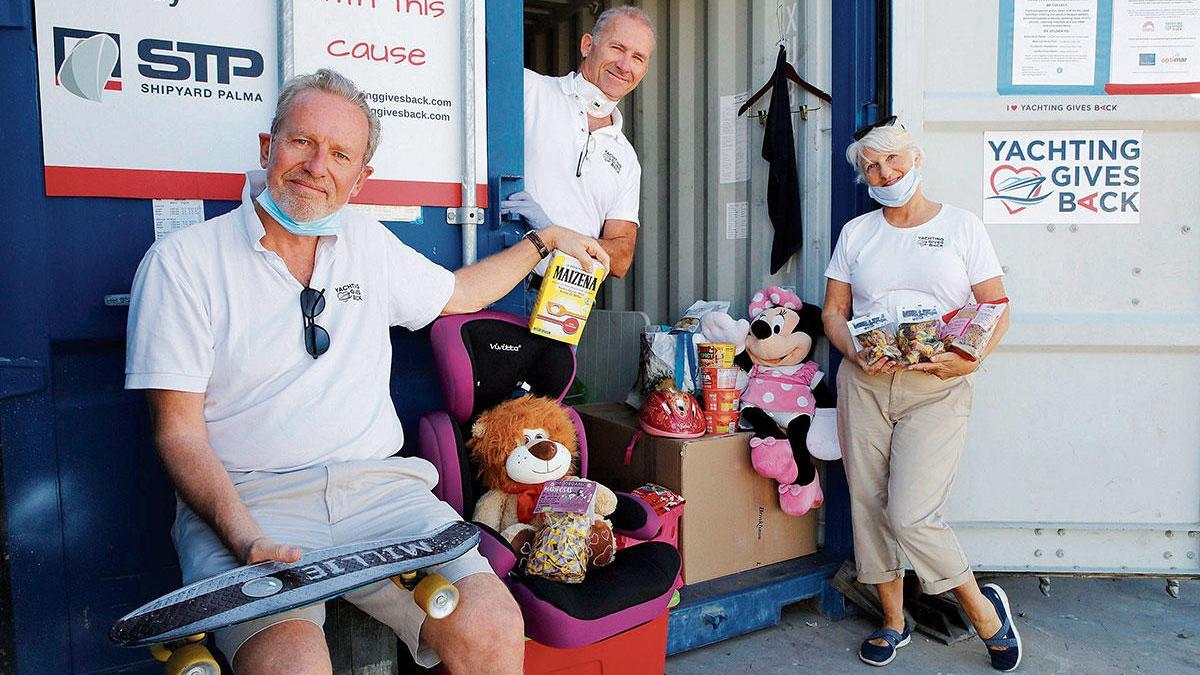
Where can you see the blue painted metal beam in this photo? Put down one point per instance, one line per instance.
(737, 604)
(33, 519)
(856, 63)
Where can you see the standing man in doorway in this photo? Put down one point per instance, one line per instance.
(581, 172)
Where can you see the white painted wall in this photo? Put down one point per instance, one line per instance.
(1084, 447)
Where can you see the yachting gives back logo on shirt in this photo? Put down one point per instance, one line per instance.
(612, 161)
(931, 242)
(348, 292)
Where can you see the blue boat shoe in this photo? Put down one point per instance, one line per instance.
(1004, 647)
(881, 655)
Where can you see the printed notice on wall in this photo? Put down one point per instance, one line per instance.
(1054, 42)
(1097, 47)
(1062, 176)
(172, 215)
(407, 57)
(737, 220)
(1156, 42)
(734, 134)
(391, 214)
(154, 99)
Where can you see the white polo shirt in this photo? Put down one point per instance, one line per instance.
(935, 262)
(215, 312)
(556, 136)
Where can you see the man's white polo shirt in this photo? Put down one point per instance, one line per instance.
(215, 312)
(608, 186)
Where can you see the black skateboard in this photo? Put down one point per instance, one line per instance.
(254, 591)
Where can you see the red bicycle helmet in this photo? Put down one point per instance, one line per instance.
(671, 413)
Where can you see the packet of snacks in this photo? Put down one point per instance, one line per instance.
(875, 335)
(917, 333)
(968, 330)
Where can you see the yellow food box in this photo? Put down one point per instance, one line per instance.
(565, 299)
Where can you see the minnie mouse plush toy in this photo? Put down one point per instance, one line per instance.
(782, 390)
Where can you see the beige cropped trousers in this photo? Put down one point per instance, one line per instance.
(902, 436)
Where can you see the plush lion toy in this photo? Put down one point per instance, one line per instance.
(519, 446)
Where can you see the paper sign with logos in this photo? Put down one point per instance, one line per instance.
(408, 57)
(1062, 176)
(161, 100)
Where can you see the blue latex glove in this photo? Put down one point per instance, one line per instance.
(522, 204)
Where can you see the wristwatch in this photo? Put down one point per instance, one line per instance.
(537, 242)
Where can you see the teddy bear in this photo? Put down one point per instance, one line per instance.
(519, 446)
(781, 390)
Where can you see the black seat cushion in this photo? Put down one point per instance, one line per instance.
(638, 574)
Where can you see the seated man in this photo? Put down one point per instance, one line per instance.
(261, 337)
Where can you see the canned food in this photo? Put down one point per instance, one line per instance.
(718, 378)
(715, 354)
(721, 400)
(721, 422)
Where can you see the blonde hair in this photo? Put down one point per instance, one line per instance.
(330, 82)
(892, 138)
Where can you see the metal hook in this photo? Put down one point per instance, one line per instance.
(779, 20)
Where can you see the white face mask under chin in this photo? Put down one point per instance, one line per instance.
(590, 98)
(900, 192)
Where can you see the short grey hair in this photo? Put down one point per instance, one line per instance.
(893, 138)
(330, 82)
(629, 11)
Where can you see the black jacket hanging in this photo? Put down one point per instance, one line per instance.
(783, 181)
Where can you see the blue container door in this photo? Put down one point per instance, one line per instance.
(86, 508)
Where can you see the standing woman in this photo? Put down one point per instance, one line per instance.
(903, 427)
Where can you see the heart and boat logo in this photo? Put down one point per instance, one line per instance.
(1018, 188)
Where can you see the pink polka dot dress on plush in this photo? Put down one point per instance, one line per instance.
(776, 390)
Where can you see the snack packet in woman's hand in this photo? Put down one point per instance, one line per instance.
(968, 331)
(875, 335)
(917, 333)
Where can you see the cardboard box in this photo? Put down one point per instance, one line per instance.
(731, 521)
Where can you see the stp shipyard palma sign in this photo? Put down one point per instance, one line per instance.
(1062, 176)
(149, 98)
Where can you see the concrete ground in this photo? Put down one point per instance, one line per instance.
(1085, 626)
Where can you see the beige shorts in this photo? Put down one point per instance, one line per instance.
(331, 506)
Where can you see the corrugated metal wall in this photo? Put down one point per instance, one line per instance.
(707, 50)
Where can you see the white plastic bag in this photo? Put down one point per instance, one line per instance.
(667, 356)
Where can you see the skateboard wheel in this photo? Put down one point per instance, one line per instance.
(191, 659)
(436, 596)
(160, 653)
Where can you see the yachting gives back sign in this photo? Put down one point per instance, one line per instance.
(1062, 176)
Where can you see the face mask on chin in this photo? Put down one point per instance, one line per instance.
(327, 226)
(591, 99)
(900, 192)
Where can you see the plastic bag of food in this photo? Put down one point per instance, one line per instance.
(969, 329)
(875, 334)
(560, 548)
(690, 323)
(917, 333)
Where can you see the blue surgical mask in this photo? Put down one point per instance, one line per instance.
(329, 225)
(898, 193)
